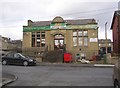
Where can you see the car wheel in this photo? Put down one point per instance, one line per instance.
(4, 62)
(25, 63)
(116, 84)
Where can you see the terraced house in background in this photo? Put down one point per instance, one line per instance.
(42, 38)
(115, 27)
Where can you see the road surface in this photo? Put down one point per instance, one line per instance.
(60, 76)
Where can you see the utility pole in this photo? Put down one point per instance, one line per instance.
(105, 56)
(106, 36)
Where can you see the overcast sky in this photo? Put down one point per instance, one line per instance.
(15, 13)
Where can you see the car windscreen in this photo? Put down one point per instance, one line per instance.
(21, 55)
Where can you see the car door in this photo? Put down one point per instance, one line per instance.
(17, 59)
(9, 58)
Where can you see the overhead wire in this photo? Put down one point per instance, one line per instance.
(91, 13)
(97, 14)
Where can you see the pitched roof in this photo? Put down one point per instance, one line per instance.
(80, 21)
(116, 13)
(41, 23)
(71, 22)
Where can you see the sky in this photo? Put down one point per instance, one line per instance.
(15, 13)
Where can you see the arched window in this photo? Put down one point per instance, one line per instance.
(59, 41)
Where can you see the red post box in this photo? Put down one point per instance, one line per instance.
(67, 57)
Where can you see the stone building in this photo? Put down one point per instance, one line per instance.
(72, 36)
(103, 45)
(8, 45)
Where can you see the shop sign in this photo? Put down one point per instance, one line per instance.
(93, 39)
(58, 26)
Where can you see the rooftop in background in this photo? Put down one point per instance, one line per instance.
(61, 20)
(116, 13)
(6, 39)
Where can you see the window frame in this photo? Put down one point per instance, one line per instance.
(38, 39)
(81, 34)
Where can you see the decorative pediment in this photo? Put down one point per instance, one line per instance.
(58, 23)
(58, 19)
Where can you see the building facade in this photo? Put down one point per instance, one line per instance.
(72, 36)
(7, 45)
(115, 26)
(103, 45)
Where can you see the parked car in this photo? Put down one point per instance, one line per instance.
(83, 61)
(17, 59)
(116, 75)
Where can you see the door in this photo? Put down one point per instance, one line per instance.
(59, 41)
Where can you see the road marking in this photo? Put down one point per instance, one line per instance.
(104, 65)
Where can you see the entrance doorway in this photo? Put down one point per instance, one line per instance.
(59, 42)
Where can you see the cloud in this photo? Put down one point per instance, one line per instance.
(12, 32)
(15, 13)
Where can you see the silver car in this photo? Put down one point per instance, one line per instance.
(116, 75)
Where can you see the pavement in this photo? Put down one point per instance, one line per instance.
(8, 78)
(75, 65)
